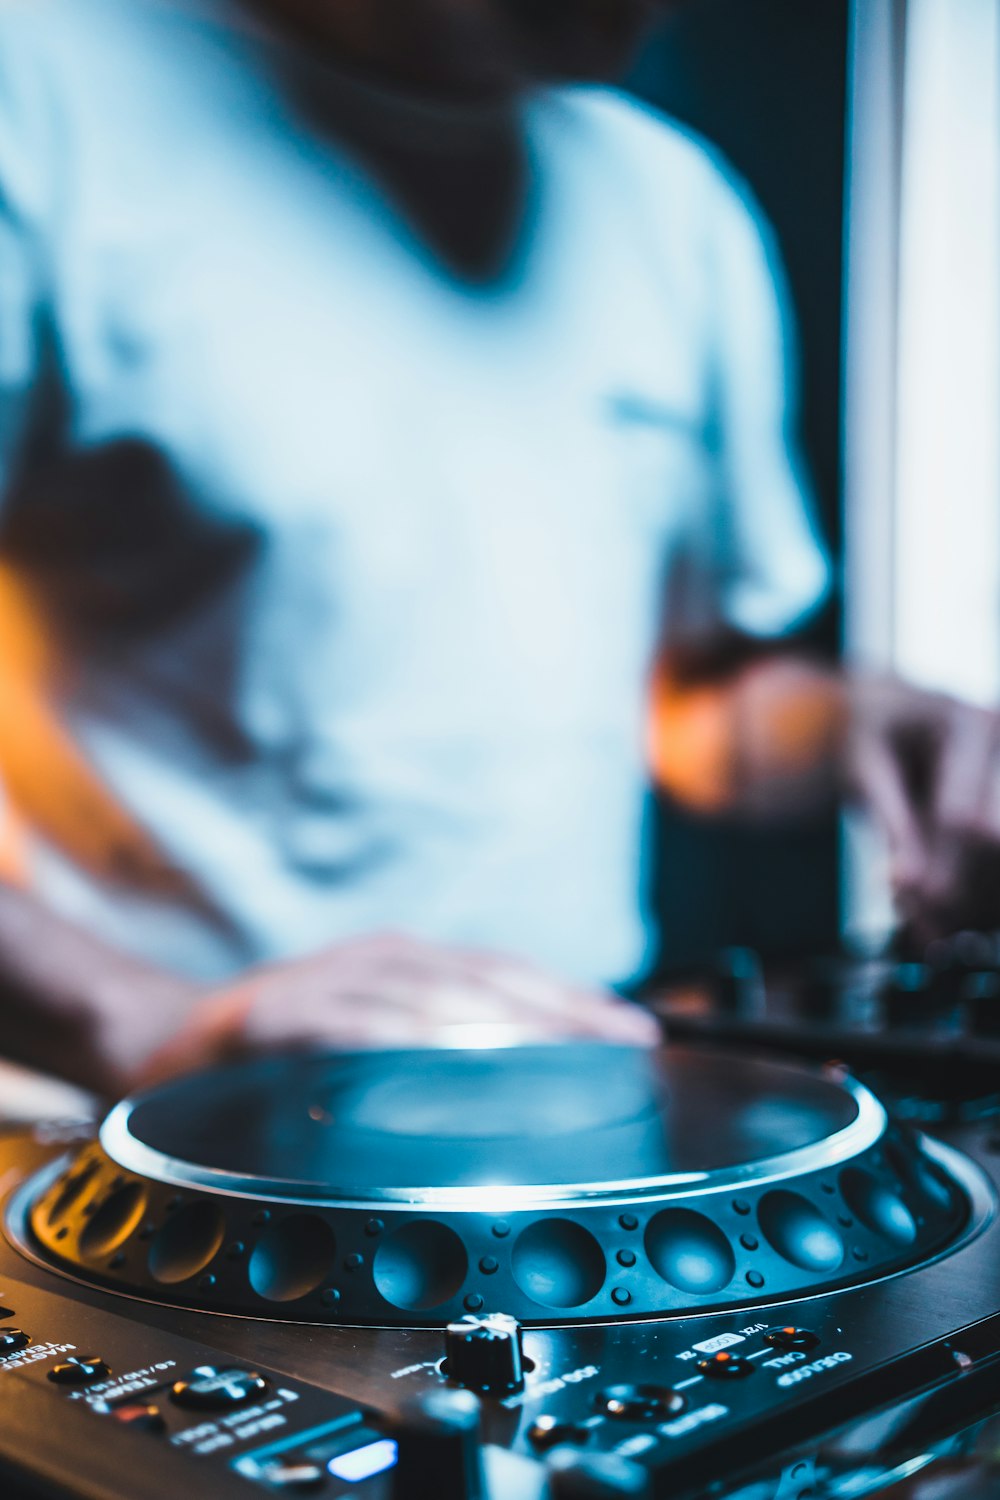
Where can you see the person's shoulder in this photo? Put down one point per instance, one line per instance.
(680, 189)
(646, 139)
(21, 16)
(70, 37)
(32, 33)
(62, 63)
(48, 22)
(72, 67)
(53, 19)
(39, 36)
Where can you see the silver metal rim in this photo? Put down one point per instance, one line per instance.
(979, 1191)
(864, 1131)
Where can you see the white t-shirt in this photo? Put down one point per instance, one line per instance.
(357, 571)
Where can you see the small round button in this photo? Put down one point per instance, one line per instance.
(139, 1417)
(79, 1369)
(214, 1388)
(791, 1338)
(725, 1366)
(639, 1403)
(547, 1431)
(11, 1341)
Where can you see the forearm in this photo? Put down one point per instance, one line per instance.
(72, 1005)
(763, 740)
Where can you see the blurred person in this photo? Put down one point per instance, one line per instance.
(389, 415)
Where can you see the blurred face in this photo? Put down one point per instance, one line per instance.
(470, 47)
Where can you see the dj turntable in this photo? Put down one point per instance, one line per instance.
(504, 1275)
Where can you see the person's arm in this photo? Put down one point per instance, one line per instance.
(739, 731)
(67, 1004)
(742, 723)
(777, 736)
(73, 1006)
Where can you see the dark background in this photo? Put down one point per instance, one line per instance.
(766, 81)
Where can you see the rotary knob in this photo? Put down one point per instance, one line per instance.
(484, 1354)
(439, 1449)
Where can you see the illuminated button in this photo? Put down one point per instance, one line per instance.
(11, 1341)
(791, 1338)
(548, 1432)
(139, 1417)
(639, 1403)
(296, 1475)
(364, 1463)
(725, 1366)
(79, 1369)
(211, 1388)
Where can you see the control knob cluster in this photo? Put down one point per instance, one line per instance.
(440, 1457)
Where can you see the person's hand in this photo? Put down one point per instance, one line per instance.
(928, 767)
(389, 990)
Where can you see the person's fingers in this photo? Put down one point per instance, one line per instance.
(389, 990)
(458, 985)
(959, 804)
(963, 822)
(519, 1001)
(584, 1012)
(532, 995)
(967, 754)
(969, 898)
(929, 769)
(881, 778)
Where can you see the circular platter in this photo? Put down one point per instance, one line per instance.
(554, 1184)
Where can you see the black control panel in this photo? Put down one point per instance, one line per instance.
(930, 1017)
(105, 1397)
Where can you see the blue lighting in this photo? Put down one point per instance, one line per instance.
(363, 1463)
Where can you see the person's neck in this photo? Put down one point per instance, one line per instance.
(447, 145)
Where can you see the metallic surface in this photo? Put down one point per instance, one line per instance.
(707, 1146)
